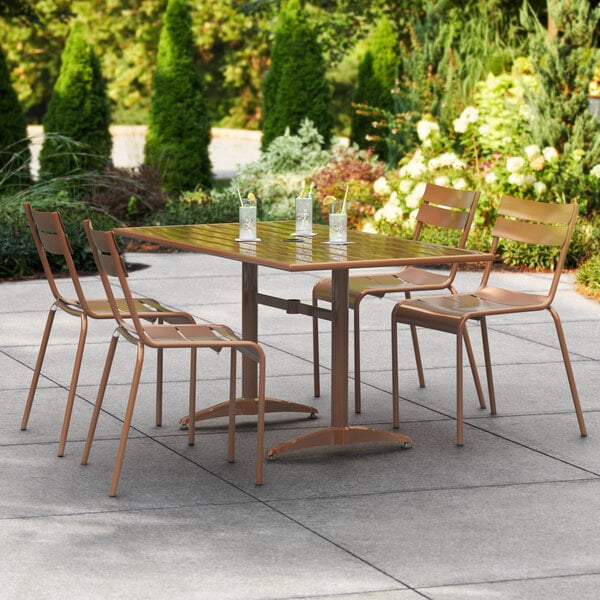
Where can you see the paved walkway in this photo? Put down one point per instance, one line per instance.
(228, 148)
(513, 514)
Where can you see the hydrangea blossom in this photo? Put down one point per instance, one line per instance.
(537, 163)
(469, 115)
(532, 151)
(550, 153)
(514, 164)
(425, 128)
(381, 187)
(595, 171)
(539, 187)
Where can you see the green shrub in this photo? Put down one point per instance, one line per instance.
(18, 255)
(588, 275)
(376, 79)
(179, 125)
(15, 155)
(295, 87)
(278, 176)
(355, 170)
(198, 207)
(78, 110)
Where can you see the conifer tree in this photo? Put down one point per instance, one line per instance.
(295, 87)
(15, 155)
(179, 125)
(376, 79)
(79, 110)
(564, 60)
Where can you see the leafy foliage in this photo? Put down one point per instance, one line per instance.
(295, 87)
(14, 146)
(18, 255)
(376, 80)
(564, 62)
(79, 110)
(357, 171)
(179, 129)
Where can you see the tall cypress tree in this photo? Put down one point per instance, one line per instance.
(295, 87)
(15, 155)
(79, 110)
(179, 126)
(376, 80)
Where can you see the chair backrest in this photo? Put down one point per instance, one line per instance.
(539, 223)
(110, 265)
(447, 208)
(50, 237)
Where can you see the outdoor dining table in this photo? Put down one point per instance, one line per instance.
(279, 249)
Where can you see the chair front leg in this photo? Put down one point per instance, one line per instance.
(459, 388)
(159, 386)
(315, 335)
(260, 425)
(357, 386)
(127, 421)
(73, 385)
(232, 406)
(99, 398)
(192, 397)
(570, 376)
(38, 366)
(395, 391)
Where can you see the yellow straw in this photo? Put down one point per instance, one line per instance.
(345, 196)
(310, 190)
(240, 195)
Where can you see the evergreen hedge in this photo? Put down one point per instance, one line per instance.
(295, 87)
(78, 112)
(377, 73)
(15, 156)
(179, 125)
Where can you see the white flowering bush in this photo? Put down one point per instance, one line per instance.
(486, 150)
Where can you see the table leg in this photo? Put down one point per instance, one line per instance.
(247, 405)
(340, 433)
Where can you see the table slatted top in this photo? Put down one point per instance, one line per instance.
(277, 248)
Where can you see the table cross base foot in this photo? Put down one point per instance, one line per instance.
(248, 406)
(339, 436)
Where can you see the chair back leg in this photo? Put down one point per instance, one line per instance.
(569, 369)
(99, 398)
(73, 385)
(135, 382)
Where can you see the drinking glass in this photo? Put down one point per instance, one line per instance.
(338, 223)
(303, 216)
(247, 219)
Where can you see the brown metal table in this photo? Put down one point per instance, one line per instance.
(279, 250)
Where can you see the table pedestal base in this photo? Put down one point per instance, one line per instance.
(248, 406)
(339, 436)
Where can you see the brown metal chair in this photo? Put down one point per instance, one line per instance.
(518, 220)
(440, 207)
(160, 336)
(50, 238)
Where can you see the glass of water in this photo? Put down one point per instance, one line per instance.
(303, 216)
(247, 219)
(338, 222)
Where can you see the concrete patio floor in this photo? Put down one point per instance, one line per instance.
(512, 514)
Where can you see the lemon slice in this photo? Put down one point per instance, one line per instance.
(251, 196)
(328, 200)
